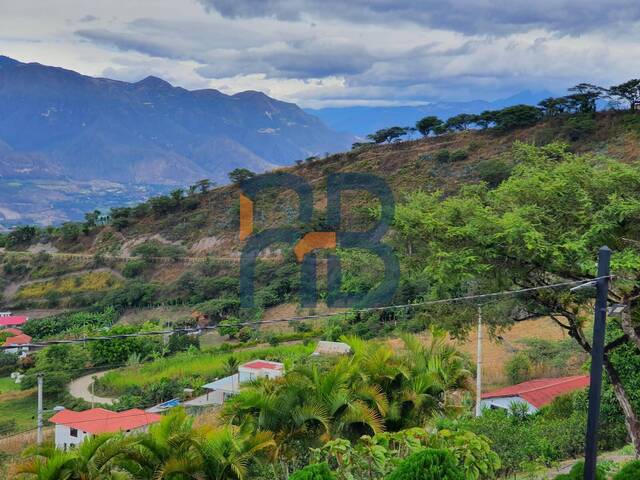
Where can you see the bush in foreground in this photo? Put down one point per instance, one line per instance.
(428, 464)
(631, 471)
(317, 471)
(577, 473)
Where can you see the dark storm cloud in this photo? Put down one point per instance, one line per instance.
(272, 56)
(132, 42)
(466, 16)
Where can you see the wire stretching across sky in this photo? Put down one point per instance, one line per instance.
(478, 297)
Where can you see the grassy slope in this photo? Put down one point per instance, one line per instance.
(200, 368)
(211, 227)
(405, 166)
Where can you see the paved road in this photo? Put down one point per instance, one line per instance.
(81, 388)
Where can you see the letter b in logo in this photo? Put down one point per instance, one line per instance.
(305, 246)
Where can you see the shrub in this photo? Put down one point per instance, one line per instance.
(518, 368)
(493, 171)
(579, 126)
(180, 342)
(443, 156)
(134, 268)
(54, 383)
(317, 471)
(458, 155)
(8, 363)
(631, 471)
(245, 334)
(577, 473)
(428, 464)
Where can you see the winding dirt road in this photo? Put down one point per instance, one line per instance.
(81, 388)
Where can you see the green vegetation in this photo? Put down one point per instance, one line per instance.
(630, 471)
(21, 409)
(8, 385)
(316, 471)
(529, 217)
(509, 237)
(70, 323)
(171, 449)
(193, 368)
(89, 282)
(428, 464)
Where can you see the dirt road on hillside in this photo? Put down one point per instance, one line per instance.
(81, 388)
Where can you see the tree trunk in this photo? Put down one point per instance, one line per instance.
(630, 418)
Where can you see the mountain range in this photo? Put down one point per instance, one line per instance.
(71, 143)
(56, 122)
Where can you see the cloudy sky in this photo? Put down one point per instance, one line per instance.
(335, 52)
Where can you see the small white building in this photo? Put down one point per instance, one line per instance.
(535, 394)
(331, 348)
(73, 427)
(260, 368)
(220, 390)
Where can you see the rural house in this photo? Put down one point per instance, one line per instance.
(226, 387)
(12, 321)
(534, 393)
(17, 341)
(73, 427)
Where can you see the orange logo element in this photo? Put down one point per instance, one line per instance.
(313, 241)
(246, 217)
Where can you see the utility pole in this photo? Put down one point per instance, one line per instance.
(40, 409)
(92, 386)
(597, 361)
(479, 365)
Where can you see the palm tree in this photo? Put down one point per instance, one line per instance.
(45, 463)
(106, 456)
(225, 453)
(100, 457)
(167, 450)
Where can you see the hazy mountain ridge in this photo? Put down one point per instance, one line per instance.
(94, 128)
(362, 120)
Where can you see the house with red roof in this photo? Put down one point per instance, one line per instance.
(18, 341)
(12, 321)
(534, 393)
(220, 390)
(73, 427)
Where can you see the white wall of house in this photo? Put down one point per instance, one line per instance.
(67, 437)
(23, 351)
(505, 403)
(248, 374)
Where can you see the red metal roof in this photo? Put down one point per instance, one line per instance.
(541, 392)
(20, 339)
(263, 364)
(12, 331)
(12, 320)
(100, 420)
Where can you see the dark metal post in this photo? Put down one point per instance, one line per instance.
(597, 360)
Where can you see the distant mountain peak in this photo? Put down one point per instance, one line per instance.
(250, 94)
(154, 82)
(7, 61)
(145, 132)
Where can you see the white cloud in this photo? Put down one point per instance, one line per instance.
(336, 53)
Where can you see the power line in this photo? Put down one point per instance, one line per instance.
(186, 330)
